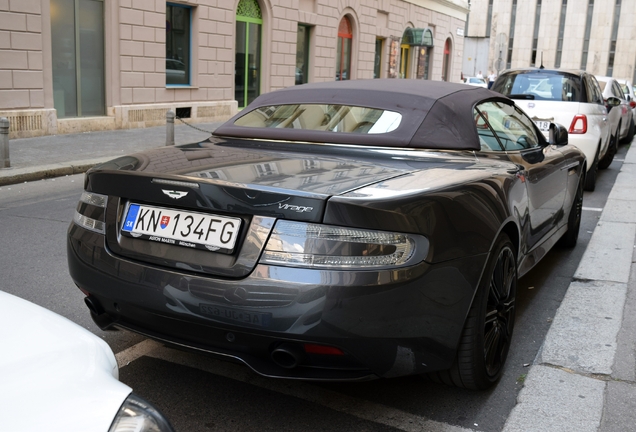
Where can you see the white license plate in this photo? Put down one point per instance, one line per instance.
(182, 228)
(543, 126)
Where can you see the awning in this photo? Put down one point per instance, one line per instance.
(418, 37)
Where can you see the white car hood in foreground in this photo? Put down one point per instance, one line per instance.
(54, 375)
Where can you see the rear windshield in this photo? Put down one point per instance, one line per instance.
(540, 86)
(333, 118)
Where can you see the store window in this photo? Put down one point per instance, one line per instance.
(343, 54)
(77, 43)
(446, 62)
(302, 54)
(247, 66)
(178, 43)
(377, 63)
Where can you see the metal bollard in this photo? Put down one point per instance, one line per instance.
(5, 162)
(170, 127)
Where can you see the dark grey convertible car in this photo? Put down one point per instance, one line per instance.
(334, 231)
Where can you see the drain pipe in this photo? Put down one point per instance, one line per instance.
(5, 162)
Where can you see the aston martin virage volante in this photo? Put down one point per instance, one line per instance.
(334, 231)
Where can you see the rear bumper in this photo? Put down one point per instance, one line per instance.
(387, 323)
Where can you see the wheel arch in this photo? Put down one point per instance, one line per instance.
(512, 230)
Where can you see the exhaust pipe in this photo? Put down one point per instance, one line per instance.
(288, 355)
(99, 315)
(93, 305)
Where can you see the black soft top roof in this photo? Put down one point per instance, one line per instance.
(435, 114)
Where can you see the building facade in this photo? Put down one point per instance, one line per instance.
(85, 65)
(593, 35)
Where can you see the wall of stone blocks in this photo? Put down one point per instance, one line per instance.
(135, 37)
(21, 57)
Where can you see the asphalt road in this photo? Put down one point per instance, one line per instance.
(199, 393)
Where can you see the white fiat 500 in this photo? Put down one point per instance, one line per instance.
(571, 98)
(58, 377)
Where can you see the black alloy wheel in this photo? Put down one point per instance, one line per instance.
(500, 313)
(487, 334)
(611, 151)
(590, 177)
(630, 133)
(574, 219)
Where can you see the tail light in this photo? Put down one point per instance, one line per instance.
(90, 212)
(299, 244)
(632, 104)
(579, 124)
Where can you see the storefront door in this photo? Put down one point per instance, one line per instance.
(247, 68)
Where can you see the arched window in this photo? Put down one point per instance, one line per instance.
(247, 66)
(343, 55)
(446, 63)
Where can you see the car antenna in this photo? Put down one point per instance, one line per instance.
(541, 67)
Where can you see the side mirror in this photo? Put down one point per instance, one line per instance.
(612, 102)
(558, 135)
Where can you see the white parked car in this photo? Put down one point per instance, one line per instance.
(58, 377)
(571, 98)
(619, 110)
(630, 93)
(476, 81)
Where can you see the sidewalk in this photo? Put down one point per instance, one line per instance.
(584, 377)
(58, 155)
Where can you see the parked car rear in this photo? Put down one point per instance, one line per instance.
(630, 93)
(619, 110)
(571, 98)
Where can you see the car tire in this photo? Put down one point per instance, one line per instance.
(611, 152)
(590, 177)
(630, 133)
(485, 340)
(574, 219)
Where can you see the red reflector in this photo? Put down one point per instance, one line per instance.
(322, 349)
(84, 291)
(579, 124)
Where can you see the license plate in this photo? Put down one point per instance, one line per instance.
(236, 315)
(182, 228)
(543, 126)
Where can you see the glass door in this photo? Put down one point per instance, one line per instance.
(404, 61)
(247, 66)
(77, 30)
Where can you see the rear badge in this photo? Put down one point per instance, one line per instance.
(296, 208)
(174, 194)
(531, 105)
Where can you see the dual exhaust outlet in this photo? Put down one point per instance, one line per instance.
(288, 355)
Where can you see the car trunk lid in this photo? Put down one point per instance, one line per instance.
(253, 185)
